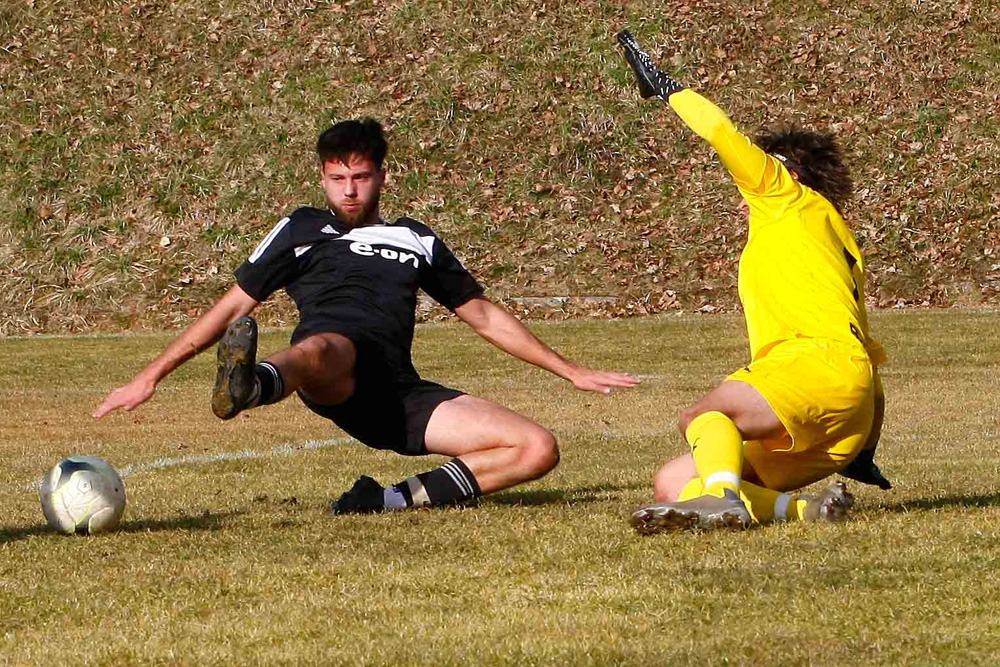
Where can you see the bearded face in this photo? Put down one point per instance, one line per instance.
(353, 189)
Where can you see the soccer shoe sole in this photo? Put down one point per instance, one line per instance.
(235, 362)
(652, 519)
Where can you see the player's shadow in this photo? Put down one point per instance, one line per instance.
(204, 521)
(928, 504)
(8, 535)
(597, 493)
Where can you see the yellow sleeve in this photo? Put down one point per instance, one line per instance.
(753, 170)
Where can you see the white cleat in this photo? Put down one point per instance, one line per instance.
(830, 506)
(703, 513)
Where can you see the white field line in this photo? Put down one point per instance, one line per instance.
(201, 459)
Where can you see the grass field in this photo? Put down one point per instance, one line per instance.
(227, 554)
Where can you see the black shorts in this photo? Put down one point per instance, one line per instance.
(390, 407)
(393, 417)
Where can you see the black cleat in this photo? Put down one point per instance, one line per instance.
(864, 469)
(651, 79)
(704, 512)
(234, 379)
(365, 497)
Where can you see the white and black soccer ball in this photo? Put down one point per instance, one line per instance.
(83, 495)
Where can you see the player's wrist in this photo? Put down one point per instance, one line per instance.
(149, 377)
(573, 373)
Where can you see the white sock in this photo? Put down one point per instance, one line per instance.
(393, 499)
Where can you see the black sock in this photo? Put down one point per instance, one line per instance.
(272, 385)
(451, 483)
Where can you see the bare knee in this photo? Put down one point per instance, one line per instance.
(324, 350)
(322, 367)
(539, 453)
(672, 477)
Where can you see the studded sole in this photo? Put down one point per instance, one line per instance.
(234, 369)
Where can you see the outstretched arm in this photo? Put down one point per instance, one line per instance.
(752, 169)
(750, 166)
(206, 331)
(506, 332)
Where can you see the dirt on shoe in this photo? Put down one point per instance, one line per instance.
(234, 378)
(703, 513)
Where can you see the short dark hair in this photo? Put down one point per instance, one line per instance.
(815, 158)
(353, 137)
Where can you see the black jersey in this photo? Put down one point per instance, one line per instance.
(361, 282)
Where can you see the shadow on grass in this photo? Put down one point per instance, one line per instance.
(205, 521)
(571, 496)
(8, 535)
(927, 504)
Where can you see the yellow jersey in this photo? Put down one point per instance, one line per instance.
(801, 272)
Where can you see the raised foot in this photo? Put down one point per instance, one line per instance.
(702, 513)
(234, 377)
(831, 506)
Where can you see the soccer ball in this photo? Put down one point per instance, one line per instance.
(83, 495)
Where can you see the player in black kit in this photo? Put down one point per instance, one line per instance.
(354, 278)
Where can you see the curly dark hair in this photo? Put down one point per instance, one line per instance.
(348, 137)
(815, 158)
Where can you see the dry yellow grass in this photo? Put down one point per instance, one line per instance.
(237, 561)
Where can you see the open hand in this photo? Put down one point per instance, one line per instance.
(132, 395)
(601, 382)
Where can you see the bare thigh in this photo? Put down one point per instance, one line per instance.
(500, 447)
(469, 424)
(320, 366)
(742, 403)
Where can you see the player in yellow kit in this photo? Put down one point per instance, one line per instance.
(810, 402)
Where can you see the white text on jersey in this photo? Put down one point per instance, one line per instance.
(366, 250)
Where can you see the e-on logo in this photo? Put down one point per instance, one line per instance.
(366, 250)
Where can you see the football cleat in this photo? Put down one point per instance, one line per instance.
(365, 497)
(234, 378)
(704, 513)
(864, 469)
(831, 506)
(651, 79)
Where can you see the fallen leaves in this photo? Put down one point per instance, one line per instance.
(517, 139)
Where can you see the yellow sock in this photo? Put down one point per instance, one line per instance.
(790, 507)
(769, 505)
(692, 489)
(764, 504)
(717, 450)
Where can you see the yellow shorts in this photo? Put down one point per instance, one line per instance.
(823, 392)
